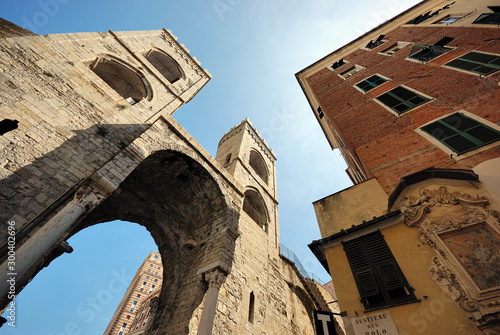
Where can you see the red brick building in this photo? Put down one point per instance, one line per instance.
(414, 108)
(363, 122)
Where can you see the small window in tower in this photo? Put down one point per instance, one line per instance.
(258, 165)
(254, 206)
(251, 308)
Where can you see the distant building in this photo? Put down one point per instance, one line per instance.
(145, 285)
(145, 314)
(414, 108)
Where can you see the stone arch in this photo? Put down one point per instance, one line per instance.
(123, 78)
(180, 203)
(167, 66)
(258, 164)
(255, 207)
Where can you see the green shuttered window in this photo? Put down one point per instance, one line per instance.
(488, 18)
(378, 277)
(477, 62)
(461, 133)
(370, 83)
(401, 99)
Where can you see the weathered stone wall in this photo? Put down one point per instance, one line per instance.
(79, 138)
(70, 121)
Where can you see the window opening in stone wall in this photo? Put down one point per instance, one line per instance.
(476, 62)
(254, 206)
(227, 160)
(259, 165)
(461, 133)
(165, 64)
(251, 307)
(7, 125)
(122, 79)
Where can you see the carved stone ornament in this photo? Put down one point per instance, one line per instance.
(464, 234)
(215, 278)
(86, 197)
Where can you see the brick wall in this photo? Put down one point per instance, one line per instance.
(387, 145)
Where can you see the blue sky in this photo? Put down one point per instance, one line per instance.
(252, 49)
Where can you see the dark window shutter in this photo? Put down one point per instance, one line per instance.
(384, 261)
(361, 267)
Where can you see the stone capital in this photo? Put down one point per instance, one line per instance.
(215, 278)
(86, 198)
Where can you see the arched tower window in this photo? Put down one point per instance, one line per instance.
(121, 78)
(165, 64)
(259, 165)
(254, 206)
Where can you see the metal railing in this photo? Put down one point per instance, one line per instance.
(290, 255)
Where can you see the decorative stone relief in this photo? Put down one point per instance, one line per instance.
(464, 233)
(215, 278)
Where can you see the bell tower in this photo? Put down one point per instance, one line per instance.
(248, 158)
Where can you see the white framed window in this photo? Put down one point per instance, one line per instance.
(351, 71)
(478, 63)
(450, 18)
(392, 49)
(337, 64)
(461, 134)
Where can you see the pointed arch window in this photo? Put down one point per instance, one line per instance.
(254, 206)
(126, 82)
(165, 64)
(259, 165)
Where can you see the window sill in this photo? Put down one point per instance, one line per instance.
(392, 305)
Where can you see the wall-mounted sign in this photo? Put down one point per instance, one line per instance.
(324, 323)
(374, 324)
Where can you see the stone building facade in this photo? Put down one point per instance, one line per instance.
(88, 137)
(413, 106)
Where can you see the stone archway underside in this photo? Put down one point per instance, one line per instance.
(183, 208)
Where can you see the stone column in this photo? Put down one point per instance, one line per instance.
(214, 278)
(36, 246)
